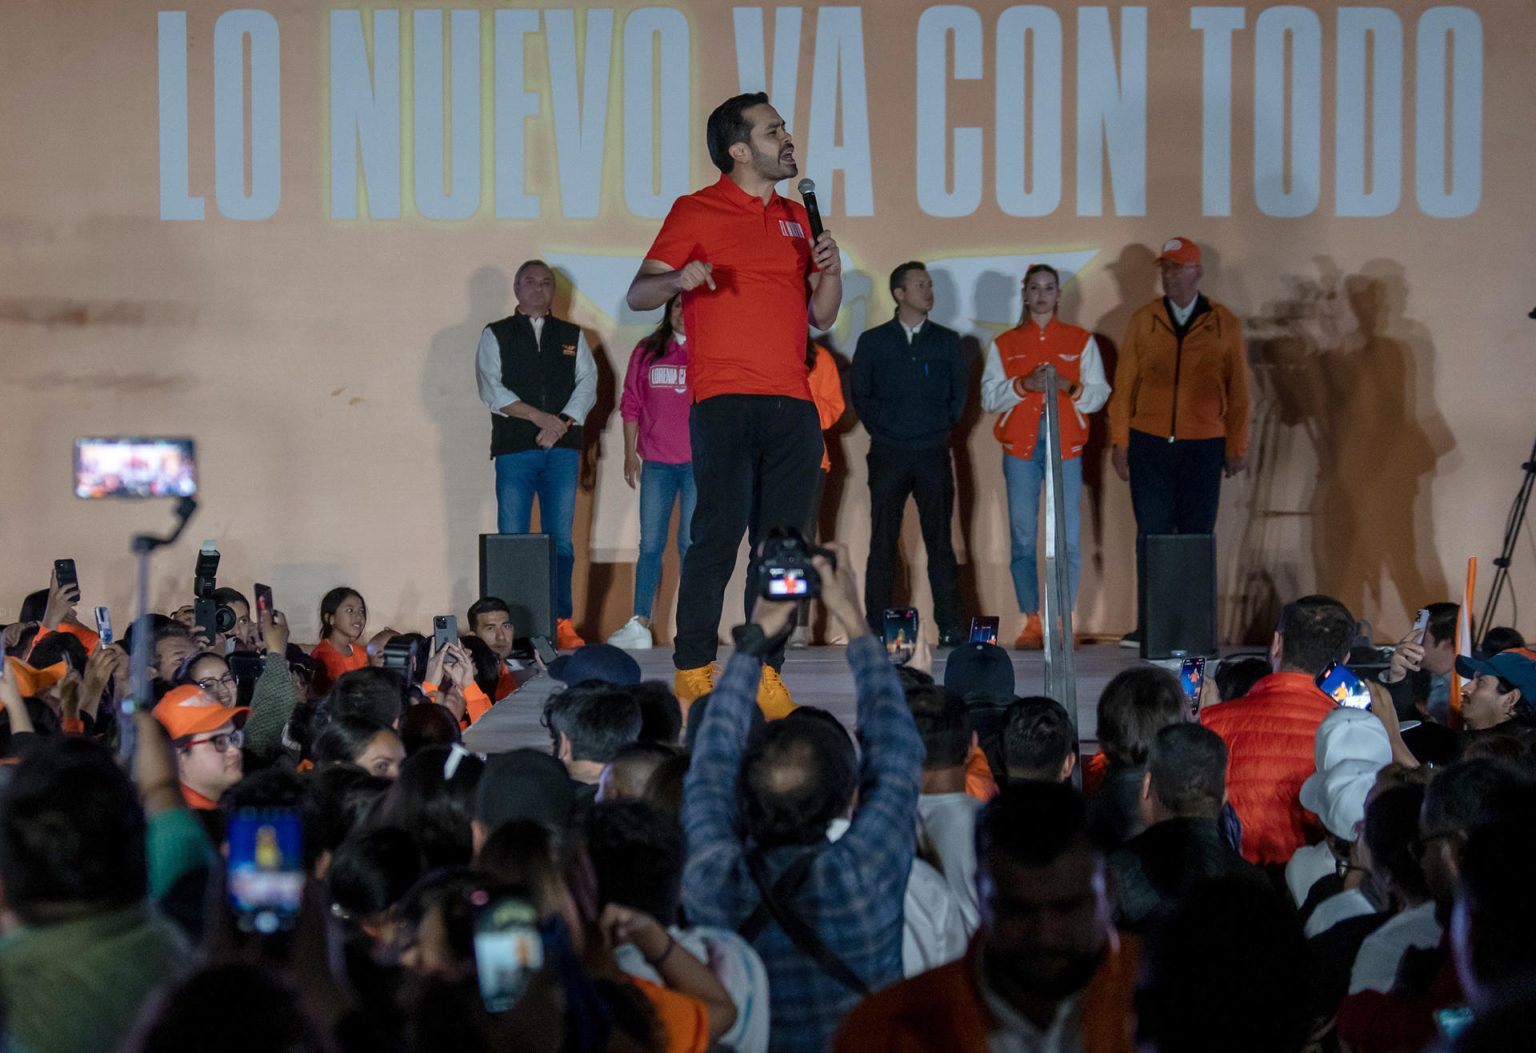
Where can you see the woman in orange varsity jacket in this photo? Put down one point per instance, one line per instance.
(1012, 386)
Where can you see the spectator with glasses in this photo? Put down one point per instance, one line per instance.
(202, 729)
(274, 696)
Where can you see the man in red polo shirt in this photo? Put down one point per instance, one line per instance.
(751, 280)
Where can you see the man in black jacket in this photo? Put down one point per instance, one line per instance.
(1181, 797)
(539, 381)
(909, 389)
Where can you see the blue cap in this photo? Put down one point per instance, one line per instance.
(1517, 665)
(596, 661)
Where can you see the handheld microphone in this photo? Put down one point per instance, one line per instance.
(807, 190)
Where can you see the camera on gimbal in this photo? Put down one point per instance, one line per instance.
(784, 570)
(208, 613)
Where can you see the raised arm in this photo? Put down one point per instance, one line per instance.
(657, 282)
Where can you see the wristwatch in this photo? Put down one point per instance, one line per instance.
(569, 420)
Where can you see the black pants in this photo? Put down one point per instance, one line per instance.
(751, 453)
(925, 475)
(1175, 488)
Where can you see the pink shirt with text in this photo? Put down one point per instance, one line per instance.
(657, 398)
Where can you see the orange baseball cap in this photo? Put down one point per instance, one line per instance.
(31, 681)
(1179, 250)
(188, 710)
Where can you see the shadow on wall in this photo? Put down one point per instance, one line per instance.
(451, 399)
(1136, 284)
(1346, 437)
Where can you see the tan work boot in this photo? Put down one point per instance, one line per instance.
(690, 684)
(772, 696)
(1032, 636)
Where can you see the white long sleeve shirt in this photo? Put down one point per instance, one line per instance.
(997, 392)
(497, 396)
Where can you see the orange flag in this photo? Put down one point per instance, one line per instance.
(1463, 639)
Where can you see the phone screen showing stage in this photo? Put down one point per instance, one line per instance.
(1344, 687)
(900, 633)
(984, 630)
(1192, 679)
(135, 468)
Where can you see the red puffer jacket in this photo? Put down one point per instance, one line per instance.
(1269, 735)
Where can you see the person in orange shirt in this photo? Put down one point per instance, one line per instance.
(827, 393)
(343, 618)
(1046, 970)
(1013, 386)
(1179, 415)
(490, 621)
(751, 280)
(208, 759)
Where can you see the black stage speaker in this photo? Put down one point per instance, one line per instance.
(520, 568)
(1178, 595)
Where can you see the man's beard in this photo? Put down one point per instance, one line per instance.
(1061, 985)
(770, 166)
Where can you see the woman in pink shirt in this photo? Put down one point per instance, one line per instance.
(655, 408)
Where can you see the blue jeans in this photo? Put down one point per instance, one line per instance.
(1025, 479)
(551, 475)
(661, 486)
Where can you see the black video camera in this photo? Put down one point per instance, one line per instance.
(208, 613)
(784, 570)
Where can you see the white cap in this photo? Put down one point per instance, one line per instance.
(1351, 734)
(1338, 795)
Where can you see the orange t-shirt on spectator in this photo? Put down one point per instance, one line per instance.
(746, 336)
(978, 776)
(684, 1020)
(827, 392)
(332, 664)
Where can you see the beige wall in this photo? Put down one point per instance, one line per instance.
(325, 364)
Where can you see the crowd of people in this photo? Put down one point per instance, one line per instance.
(1257, 868)
(285, 847)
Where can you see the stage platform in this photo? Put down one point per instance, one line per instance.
(816, 676)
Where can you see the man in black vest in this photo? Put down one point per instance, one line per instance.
(909, 389)
(539, 381)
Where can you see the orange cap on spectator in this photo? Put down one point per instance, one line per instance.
(30, 681)
(1179, 250)
(188, 710)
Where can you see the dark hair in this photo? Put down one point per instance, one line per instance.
(525, 267)
(172, 631)
(1031, 823)
(249, 1007)
(71, 834)
(331, 602)
(1498, 871)
(1501, 638)
(58, 647)
(899, 275)
(1132, 707)
(345, 739)
(661, 714)
(224, 596)
(45, 723)
(597, 720)
(33, 607)
(373, 871)
(664, 788)
(426, 726)
(436, 810)
(694, 719)
(637, 851)
(1235, 677)
(338, 801)
(1314, 632)
(1038, 268)
(655, 343)
(423, 647)
(487, 666)
(184, 671)
(485, 605)
(1442, 621)
(728, 126)
(1468, 794)
(943, 724)
(1038, 737)
(1188, 765)
(1392, 834)
(1204, 991)
(379, 694)
(911, 678)
(797, 775)
(152, 623)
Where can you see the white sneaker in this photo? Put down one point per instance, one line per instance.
(633, 637)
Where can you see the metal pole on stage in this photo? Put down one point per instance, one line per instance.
(1060, 672)
(139, 696)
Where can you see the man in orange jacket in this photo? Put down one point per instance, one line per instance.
(1178, 417)
(1045, 971)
